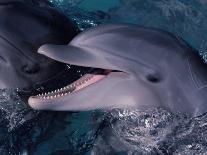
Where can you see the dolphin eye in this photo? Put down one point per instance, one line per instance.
(30, 69)
(153, 78)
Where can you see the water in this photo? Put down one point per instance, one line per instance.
(24, 131)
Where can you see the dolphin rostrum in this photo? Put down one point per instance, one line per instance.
(137, 67)
(24, 26)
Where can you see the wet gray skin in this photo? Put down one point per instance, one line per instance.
(25, 25)
(155, 69)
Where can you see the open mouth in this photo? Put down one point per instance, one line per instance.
(83, 82)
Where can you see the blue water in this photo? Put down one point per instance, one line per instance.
(24, 131)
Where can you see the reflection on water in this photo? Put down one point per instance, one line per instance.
(156, 131)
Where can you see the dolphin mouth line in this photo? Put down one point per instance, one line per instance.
(83, 82)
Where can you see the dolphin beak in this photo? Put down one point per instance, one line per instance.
(86, 57)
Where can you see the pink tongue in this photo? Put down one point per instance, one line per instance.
(94, 79)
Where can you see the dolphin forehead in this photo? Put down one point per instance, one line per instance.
(119, 37)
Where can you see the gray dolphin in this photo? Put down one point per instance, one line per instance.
(141, 68)
(25, 25)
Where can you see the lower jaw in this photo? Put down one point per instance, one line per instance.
(78, 85)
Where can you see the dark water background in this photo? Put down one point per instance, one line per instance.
(156, 131)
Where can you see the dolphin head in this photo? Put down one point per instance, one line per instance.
(127, 74)
(24, 26)
(135, 67)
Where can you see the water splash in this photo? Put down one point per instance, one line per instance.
(155, 131)
(15, 111)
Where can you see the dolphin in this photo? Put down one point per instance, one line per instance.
(135, 67)
(25, 25)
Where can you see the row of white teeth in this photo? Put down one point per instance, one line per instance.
(70, 87)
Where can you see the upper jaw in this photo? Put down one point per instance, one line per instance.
(82, 56)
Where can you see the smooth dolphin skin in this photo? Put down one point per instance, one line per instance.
(25, 25)
(140, 68)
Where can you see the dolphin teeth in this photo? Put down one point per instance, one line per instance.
(62, 91)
